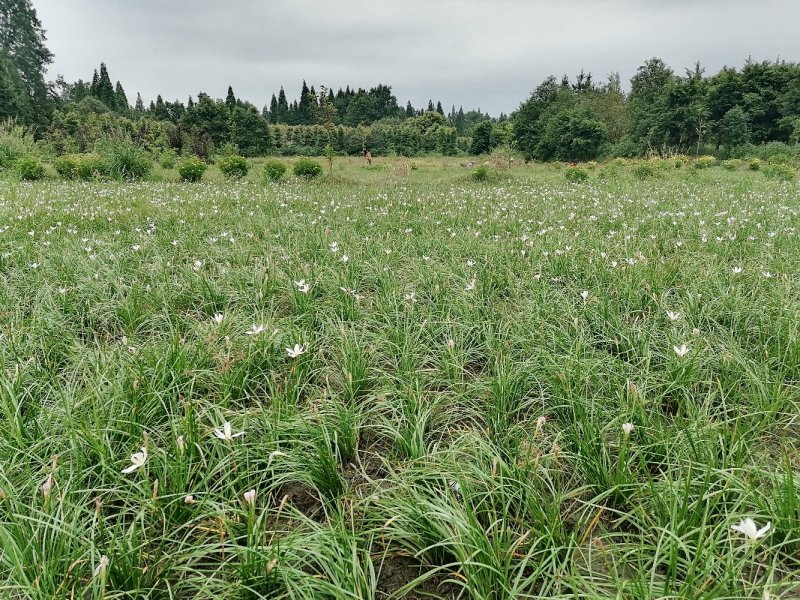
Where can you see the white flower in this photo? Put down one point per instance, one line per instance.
(226, 432)
(135, 247)
(197, 265)
(137, 460)
(101, 567)
(736, 270)
(62, 290)
(681, 350)
(750, 529)
(344, 258)
(584, 295)
(47, 486)
(256, 329)
(627, 428)
(250, 496)
(189, 499)
(540, 422)
(218, 318)
(302, 286)
(181, 443)
(451, 343)
(296, 351)
(673, 315)
(470, 285)
(34, 265)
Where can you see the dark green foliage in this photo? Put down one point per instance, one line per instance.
(274, 170)
(23, 61)
(233, 166)
(571, 135)
(249, 131)
(191, 169)
(482, 138)
(29, 168)
(576, 175)
(307, 168)
(124, 159)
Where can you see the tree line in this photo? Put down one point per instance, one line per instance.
(575, 118)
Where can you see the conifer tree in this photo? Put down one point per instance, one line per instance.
(121, 98)
(282, 116)
(230, 99)
(439, 108)
(430, 106)
(273, 109)
(105, 89)
(139, 108)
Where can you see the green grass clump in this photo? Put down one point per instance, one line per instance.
(394, 387)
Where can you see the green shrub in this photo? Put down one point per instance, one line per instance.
(124, 159)
(29, 168)
(576, 174)
(482, 173)
(307, 168)
(169, 159)
(704, 162)
(754, 164)
(274, 170)
(191, 169)
(680, 160)
(15, 143)
(643, 171)
(80, 166)
(233, 166)
(730, 164)
(780, 172)
(780, 158)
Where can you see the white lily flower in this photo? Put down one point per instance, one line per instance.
(470, 286)
(250, 496)
(218, 318)
(302, 286)
(137, 460)
(585, 295)
(256, 330)
(681, 350)
(627, 428)
(101, 567)
(673, 315)
(296, 351)
(749, 528)
(227, 432)
(736, 270)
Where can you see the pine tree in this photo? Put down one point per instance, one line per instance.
(121, 98)
(273, 109)
(410, 112)
(304, 106)
(230, 99)
(190, 103)
(139, 108)
(105, 89)
(95, 83)
(282, 116)
(439, 108)
(430, 106)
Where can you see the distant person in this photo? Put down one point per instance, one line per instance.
(368, 156)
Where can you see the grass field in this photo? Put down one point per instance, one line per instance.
(523, 388)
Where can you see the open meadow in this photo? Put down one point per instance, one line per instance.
(399, 382)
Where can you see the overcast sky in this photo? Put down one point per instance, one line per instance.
(487, 54)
